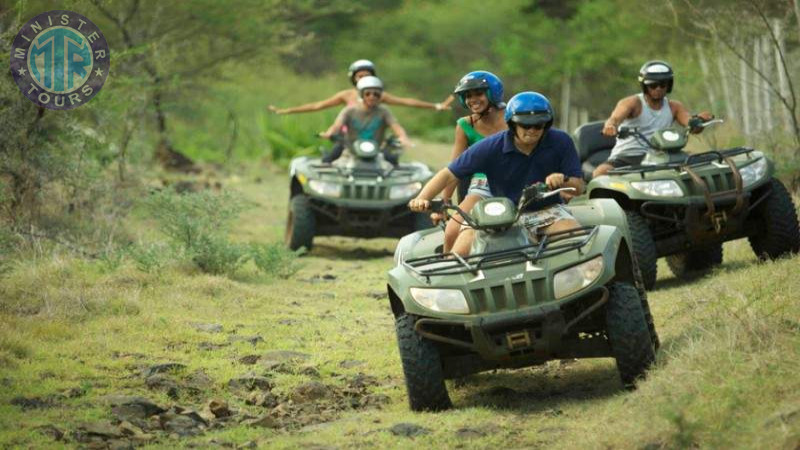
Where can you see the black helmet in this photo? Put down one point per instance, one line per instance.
(653, 72)
(361, 64)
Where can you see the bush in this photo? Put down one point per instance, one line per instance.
(151, 257)
(275, 259)
(198, 223)
(217, 255)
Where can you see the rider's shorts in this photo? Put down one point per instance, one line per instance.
(543, 218)
(479, 185)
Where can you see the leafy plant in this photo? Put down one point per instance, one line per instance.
(216, 254)
(198, 222)
(275, 259)
(151, 257)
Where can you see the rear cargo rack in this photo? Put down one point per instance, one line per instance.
(549, 246)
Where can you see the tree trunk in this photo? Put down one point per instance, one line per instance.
(745, 107)
(566, 89)
(766, 95)
(724, 77)
(756, 103)
(783, 84)
(797, 15)
(701, 56)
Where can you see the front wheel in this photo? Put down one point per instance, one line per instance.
(695, 262)
(777, 232)
(422, 367)
(644, 248)
(301, 223)
(628, 333)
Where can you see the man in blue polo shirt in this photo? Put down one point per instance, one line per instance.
(529, 152)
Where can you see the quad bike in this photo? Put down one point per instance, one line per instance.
(519, 299)
(359, 195)
(684, 206)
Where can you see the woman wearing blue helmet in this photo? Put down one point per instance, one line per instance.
(530, 151)
(481, 93)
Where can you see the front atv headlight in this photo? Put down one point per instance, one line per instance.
(754, 172)
(658, 188)
(404, 190)
(572, 280)
(326, 188)
(442, 300)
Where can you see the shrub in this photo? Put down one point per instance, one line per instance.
(216, 254)
(275, 259)
(151, 257)
(198, 223)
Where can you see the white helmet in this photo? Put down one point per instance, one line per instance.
(361, 64)
(368, 82)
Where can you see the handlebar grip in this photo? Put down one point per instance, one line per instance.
(437, 205)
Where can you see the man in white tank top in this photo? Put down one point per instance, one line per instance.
(649, 111)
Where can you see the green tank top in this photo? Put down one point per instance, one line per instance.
(472, 137)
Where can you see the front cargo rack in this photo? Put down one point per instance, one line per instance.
(550, 245)
(697, 159)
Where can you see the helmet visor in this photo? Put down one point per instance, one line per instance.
(532, 118)
(468, 85)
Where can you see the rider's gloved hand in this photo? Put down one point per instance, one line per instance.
(419, 204)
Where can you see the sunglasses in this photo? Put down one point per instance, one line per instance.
(532, 126)
(660, 84)
(372, 93)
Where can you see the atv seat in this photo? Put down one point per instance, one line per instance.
(593, 147)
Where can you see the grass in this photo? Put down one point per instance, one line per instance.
(726, 375)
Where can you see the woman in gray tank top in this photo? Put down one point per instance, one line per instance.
(649, 111)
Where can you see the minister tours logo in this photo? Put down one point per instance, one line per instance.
(60, 59)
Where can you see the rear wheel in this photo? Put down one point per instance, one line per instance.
(300, 224)
(628, 333)
(643, 248)
(422, 367)
(778, 232)
(695, 262)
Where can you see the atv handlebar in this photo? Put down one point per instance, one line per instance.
(531, 193)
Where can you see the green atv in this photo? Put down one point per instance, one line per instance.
(359, 195)
(519, 299)
(684, 206)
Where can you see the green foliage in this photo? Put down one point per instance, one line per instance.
(198, 223)
(275, 259)
(152, 257)
(191, 217)
(217, 255)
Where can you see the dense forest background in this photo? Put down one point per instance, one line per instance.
(190, 83)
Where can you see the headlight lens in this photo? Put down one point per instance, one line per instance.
(572, 280)
(442, 300)
(753, 172)
(404, 190)
(658, 188)
(325, 188)
(366, 147)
